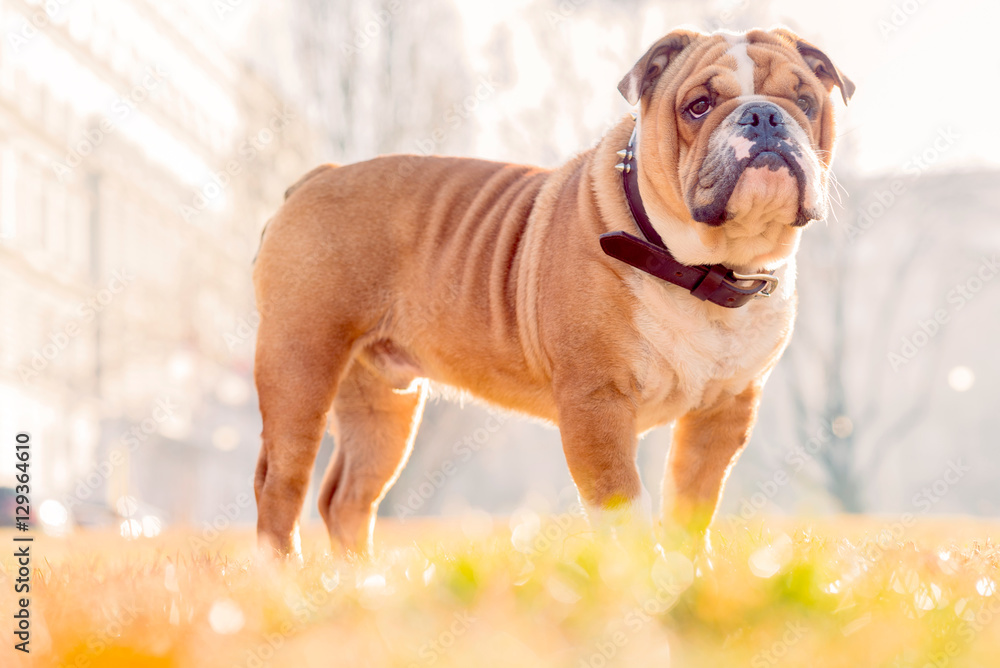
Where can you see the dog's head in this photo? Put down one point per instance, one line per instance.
(735, 141)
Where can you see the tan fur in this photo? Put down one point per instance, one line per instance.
(488, 277)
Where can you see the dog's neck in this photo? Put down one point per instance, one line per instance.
(715, 282)
(683, 238)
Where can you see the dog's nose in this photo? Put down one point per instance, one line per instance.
(762, 120)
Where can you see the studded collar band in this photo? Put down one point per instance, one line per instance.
(715, 283)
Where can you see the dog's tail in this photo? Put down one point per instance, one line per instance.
(288, 193)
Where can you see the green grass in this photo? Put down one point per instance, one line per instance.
(776, 594)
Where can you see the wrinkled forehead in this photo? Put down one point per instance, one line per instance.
(753, 63)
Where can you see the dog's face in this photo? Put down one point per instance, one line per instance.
(736, 137)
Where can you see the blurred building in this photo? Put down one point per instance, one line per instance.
(138, 162)
(140, 156)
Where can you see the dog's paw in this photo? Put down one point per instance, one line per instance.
(272, 549)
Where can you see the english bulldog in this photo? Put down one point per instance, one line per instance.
(648, 281)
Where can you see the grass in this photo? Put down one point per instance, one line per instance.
(819, 593)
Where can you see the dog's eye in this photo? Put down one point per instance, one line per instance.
(699, 107)
(805, 104)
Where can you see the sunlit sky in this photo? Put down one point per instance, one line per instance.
(935, 71)
(50, 65)
(932, 73)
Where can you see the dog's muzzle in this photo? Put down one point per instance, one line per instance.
(755, 135)
(771, 146)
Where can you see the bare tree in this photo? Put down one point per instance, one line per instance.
(381, 77)
(862, 370)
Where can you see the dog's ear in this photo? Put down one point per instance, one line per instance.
(824, 68)
(821, 65)
(647, 70)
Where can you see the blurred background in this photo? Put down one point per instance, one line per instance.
(143, 146)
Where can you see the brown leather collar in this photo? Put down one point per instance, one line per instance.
(716, 283)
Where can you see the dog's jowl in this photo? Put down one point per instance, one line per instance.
(650, 280)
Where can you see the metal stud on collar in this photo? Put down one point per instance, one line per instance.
(626, 154)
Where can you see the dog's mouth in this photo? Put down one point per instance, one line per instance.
(768, 162)
(771, 160)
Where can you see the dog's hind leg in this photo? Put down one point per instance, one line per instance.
(299, 360)
(374, 426)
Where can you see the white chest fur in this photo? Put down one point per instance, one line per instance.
(693, 351)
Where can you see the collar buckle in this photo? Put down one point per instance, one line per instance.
(770, 279)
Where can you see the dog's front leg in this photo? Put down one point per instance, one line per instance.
(706, 444)
(599, 440)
